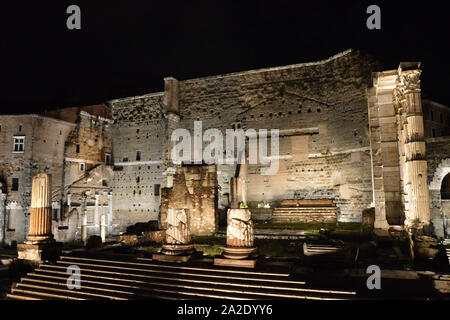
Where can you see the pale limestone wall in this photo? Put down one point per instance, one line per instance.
(438, 159)
(139, 125)
(44, 150)
(446, 214)
(194, 189)
(435, 116)
(328, 159)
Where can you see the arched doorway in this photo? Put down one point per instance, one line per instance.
(445, 188)
(440, 199)
(445, 203)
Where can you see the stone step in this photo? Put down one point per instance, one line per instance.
(24, 294)
(302, 213)
(142, 278)
(118, 290)
(321, 249)
(305, 208)
(303, 216)
(277, 212)
(145, 279)
(62, 292)
(330, 209)
(126, 279)
(151, 267)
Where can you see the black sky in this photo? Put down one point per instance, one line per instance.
(126, 48)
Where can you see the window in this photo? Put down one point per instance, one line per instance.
(138, 179)
(108, 159)
(157, 189)
(20, 128)
(81, 166)
(15, 184)
(432, 115)
(0, 128)
(138, 156)
(19, 144)
(55, 214)
(433, 131)
(125, 159)
(77, 148)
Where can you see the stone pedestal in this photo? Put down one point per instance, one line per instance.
(239, 250)
(40, 245)
(36, 253)
(178, 237)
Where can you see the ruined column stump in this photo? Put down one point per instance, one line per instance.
(239, 250)
(178, 237)
(40, 245)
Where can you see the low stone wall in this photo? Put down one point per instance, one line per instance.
(446, 213)
(261, 214)
(132, 240)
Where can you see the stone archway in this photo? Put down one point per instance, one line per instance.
(438, 218)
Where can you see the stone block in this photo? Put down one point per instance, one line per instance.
(242, 263)
(37, 253)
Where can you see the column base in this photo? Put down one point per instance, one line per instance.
(238, 252)
(239, 257)
(37, 253)
(175, 253)
(40, 240)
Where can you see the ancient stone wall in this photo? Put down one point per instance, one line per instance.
(438, 159)
(43, 152)
(194, 189)
(139, 145)
(436, 118)
(322, 111)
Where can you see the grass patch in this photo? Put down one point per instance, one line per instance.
(150, 249)
(296, 226)
(8, 251)
(209, 250)
(279, 249)
(73, 245)
(208, 240)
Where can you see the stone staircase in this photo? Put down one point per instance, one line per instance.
(328, 255)
(304, 214)
(143, 278)
(447, 242)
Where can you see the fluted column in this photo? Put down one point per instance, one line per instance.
(96, 215)
(41, 210)
(2, 217)
(110, 213)
(417, 213)
(239, 228)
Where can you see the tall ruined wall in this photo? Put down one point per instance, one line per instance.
(139, 125)
(43, 152)
(194, 189)
(438, 160)
(327, 158)
(86, 148)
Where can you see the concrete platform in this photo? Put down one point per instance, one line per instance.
(171, 258)
(238, 263)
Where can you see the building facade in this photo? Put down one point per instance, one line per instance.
(349, 133)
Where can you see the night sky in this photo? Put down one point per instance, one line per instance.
(126, 48)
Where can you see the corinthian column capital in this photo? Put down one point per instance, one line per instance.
(410, 80)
